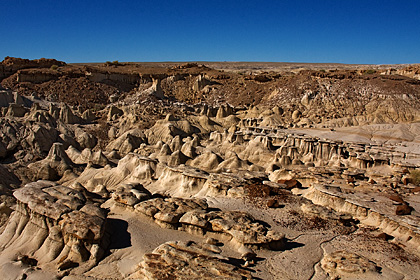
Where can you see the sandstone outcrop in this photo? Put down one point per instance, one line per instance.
(130, 194)
(11, 65)
(53, 166)
(346, 265)
(56, 224)
(127, 142)
(189, 260)
(379, 212)
(192, 215)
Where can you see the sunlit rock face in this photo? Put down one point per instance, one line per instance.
(56, 224)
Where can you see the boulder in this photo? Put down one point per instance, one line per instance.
(192, 215)
(53, 166)
(130, 194)
(57, 224)
(85, 139)
(191, 260)
(169, 210)
(347, 265)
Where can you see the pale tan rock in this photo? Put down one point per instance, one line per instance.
(207, 264)
(233, 162)
(130, 194)
(56, 225)
(207, 161)
(85, 139)
(169, 210)
(53, 166)
(348, 265)
(165, 150)
(88, 115)
(127, 142)
(189, 150)
(177, 158)
(86, 156)
(244, 229)
(197, 218)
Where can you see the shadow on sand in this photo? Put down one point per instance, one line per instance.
(120, 237)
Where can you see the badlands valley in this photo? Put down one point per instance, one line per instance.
(209, 170)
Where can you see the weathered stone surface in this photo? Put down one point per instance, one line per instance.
(57, 225)
(53, 166)
(188, 260)
(347, 265)
(114, 113)
(127, 142)
(130, 194)
(85, 139)
(16, 110)
(83, 226)
(183, 213)
(43, 203)
(67, 115)
(169, 210)
(87, 156)
(324, 212)
(244, 229)
(315, 147)
(379, 212)
(198, 218)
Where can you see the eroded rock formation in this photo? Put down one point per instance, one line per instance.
(306, 175)
(55, 224)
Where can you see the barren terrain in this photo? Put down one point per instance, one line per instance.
(209, 170)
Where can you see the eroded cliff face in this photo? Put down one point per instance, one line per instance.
(412, 71)
(11, 65)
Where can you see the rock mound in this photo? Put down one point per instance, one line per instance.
(56, 224)
(189, 260)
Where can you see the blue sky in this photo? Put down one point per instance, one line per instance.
(352, 31)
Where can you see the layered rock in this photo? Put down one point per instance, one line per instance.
(188, 260)
(167, 212)
(192, 215)
(346, 265)
(164, 169)
(87, 156)
(127, 142)
(56, 224)
(377, 211)
(180, 181)
(132, 168)
(11, 65)
(53, 166)
(130, 194)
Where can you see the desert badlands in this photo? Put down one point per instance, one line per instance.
(209, 170)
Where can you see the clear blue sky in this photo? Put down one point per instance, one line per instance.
(351, 31)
